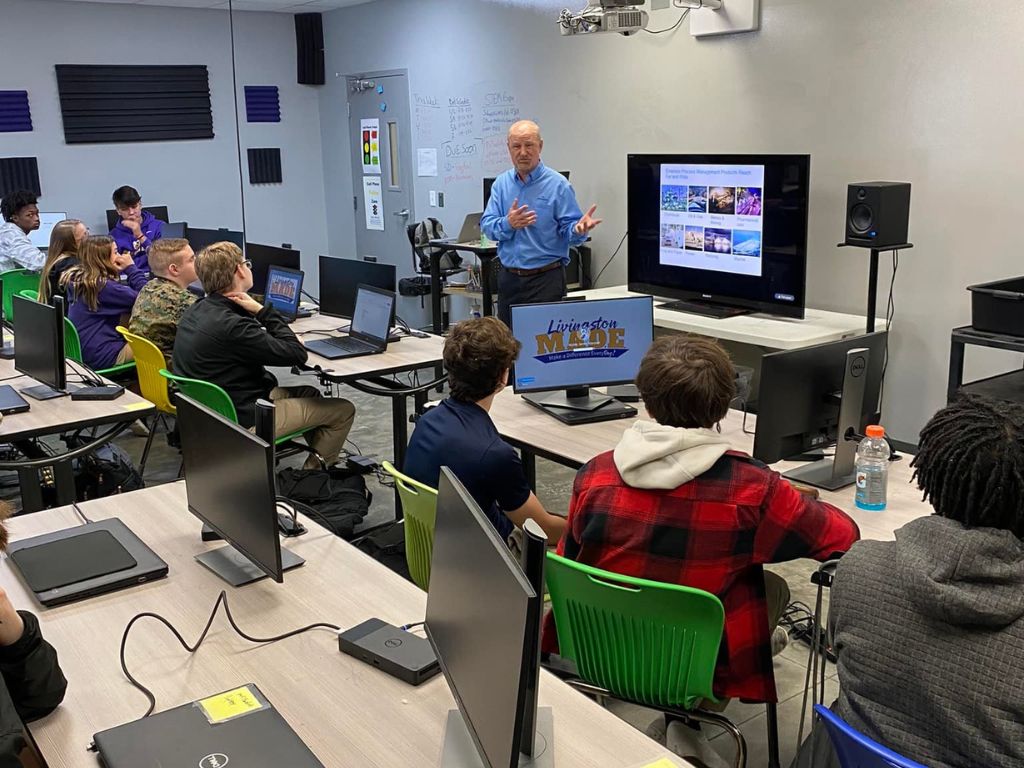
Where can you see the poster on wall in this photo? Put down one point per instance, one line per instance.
(370, 130)
(373, 203)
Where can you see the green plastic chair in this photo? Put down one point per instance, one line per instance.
(15, 281)
(73, 351)
(33, 295)
(641, 641)
(217, 400)
(419, 511)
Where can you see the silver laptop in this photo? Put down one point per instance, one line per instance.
(87, 560)
(470, 232)
(368, 333)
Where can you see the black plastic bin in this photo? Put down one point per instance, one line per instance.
(998, 307)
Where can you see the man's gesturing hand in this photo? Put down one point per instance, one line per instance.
(520, 216)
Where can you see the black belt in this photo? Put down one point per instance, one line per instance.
(532, 272)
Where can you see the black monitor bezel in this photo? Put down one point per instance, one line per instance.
(325, 297)
(53, 343)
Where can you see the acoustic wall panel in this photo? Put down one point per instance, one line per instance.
(128, 103)
(17, 173)
(15, 114)
(262, 104)
(265, 166)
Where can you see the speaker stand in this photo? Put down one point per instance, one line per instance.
(873, 276)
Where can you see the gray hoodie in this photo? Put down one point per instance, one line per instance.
(654, 456)
(930, 640)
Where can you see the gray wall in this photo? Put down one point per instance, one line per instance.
(197, 180)
(916, 90)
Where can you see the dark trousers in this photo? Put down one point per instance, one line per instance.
(535, 289)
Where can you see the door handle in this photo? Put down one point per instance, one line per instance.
(404, 212)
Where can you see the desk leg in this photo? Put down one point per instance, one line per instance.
(31, 490)
(400, 427)
(956, 368)
(530, 468)
(435, 293)
(486, 265)
(64, 483)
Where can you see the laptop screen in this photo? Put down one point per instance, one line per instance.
(284, 290)
(374, 310)
(47, 221)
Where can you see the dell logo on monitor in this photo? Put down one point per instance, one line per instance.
(216, 760)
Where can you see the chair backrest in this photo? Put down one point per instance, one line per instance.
(210, 395)
(72, 344)
(149, 361)
(15, 281)
(854, 749)
(419, 511)
(646, 641)
(28, 294)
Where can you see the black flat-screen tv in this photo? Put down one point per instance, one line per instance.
(722, 233)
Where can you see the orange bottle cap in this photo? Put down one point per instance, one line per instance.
(875, 430)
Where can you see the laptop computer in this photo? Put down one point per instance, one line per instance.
(239, 727)
(368, 333)
(613, 409)
(11, 401)
(470, 232)
(174, 229)
(47, 221)
(284, 290)
(88, 560)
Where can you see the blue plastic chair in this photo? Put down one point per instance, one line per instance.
(854, 749)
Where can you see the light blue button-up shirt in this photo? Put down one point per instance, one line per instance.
(550, 195)
(17, 251)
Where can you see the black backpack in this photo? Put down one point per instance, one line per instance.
(338, 497)
(105, 471)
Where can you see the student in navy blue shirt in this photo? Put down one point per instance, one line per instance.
(459, 433)
(534, 218)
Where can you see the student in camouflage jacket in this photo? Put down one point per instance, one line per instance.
(164, 299)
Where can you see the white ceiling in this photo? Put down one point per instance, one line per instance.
(283, 6)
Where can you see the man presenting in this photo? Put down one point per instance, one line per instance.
(534, 217)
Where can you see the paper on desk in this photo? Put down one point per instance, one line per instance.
(231, 704)
(426, 162)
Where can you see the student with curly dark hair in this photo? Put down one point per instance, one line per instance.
(459, 433)
(929, 629)
(21, 216)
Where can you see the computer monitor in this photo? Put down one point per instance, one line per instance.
(487, 641)
(810, 397)
(175, 229)
(200, 238)
(489, 182)
(340, 277)
(39, 346)
(263, 257)
(570, 346)
(229, 483)
(284, 290)
(725, 234)
(159, 211)
(47, 221)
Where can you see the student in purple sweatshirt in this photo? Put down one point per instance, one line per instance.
(137, 229)
(100, 302)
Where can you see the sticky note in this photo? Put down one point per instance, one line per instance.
(663, 763)
(141, 406)
(230, 704)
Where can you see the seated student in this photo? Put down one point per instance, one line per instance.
(31, 681)
(137, 230)
(100, 302)
(62, 255)
(164, 299)
(672, 502)
(928, 628)
(21, 216)
(459, 433)
(227, 338)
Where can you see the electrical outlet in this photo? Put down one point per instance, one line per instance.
(440, 199)
(433, 198)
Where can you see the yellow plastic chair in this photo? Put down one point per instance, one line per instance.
(419, 511)
(149, 361)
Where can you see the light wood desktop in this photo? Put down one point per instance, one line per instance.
(817, 327)
(529, 428)
(347, 712)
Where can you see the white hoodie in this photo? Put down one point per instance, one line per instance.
(654, 456)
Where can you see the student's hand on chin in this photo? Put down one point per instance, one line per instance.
(245, 301)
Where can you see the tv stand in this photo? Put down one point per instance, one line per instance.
(577, 399)
(706, 309)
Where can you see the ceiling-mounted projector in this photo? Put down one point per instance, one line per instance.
(625, 17)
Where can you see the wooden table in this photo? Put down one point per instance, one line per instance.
(539, 434)
(347, 712)
(59, 415)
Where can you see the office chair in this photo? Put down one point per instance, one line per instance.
(854, 749)
(419, 511)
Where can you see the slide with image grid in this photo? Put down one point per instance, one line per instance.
(712, 217)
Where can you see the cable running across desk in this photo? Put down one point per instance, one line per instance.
(221, 599)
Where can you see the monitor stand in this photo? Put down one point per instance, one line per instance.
(706, 309)
(44, 392)
(833, 474)
(577, 399)
(460, 752)
(237, 570)
(7, 352)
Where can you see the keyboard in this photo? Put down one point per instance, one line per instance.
(348, 344)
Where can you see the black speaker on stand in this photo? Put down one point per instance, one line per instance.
(309, 46)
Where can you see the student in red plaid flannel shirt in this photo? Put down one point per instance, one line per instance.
(674, 503)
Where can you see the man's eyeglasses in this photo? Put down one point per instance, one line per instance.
(247, 263)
